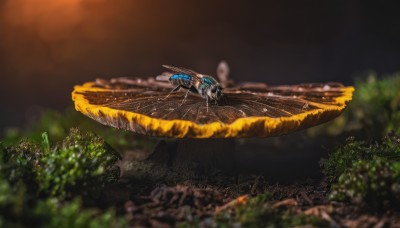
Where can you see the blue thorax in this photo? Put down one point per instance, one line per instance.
(181, 77)
(209, 81)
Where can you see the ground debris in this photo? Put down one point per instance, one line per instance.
(306, 194)
(238, 201)
(205, 200)
(286, 203)
(165, 206)
(366, 221)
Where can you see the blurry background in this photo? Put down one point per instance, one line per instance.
(48, 46)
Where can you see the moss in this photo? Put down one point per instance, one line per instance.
(374, 183)
(18, 209)
(367, 174)
(20, 163)
(13, 202)
(57, 215)
(257, 212)
(33, 175)
(373, 112)
(81, 162)
(343, 157)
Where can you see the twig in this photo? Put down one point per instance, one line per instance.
(238, 201)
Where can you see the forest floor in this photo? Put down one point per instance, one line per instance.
(290, 184)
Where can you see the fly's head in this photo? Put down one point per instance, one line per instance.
(214, 92)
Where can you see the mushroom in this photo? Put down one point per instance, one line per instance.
(206, 134)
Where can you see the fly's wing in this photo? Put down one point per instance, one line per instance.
(194, 74)
(182, 70)
(163, 77)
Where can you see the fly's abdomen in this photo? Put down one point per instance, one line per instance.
(182, 79)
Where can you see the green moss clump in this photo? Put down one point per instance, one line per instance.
(37, 180)
(367, 174)
(81, 162)
(19, 209)
(374, 183)
(19, 163)
(57, 215)
(257, 212)
(373, 112)
(353, 151)
(13, 202)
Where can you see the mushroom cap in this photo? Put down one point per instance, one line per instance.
(247, 110)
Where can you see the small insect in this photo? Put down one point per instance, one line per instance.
(204, 85)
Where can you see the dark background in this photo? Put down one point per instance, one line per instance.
(48, 46)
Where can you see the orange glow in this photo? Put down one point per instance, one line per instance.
(51, 19)
(42, 34)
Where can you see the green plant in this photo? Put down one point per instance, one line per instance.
(374, 183)
(19, 209)
(81, 162)
(20, 163)
(58, 215)
(35, 180)
(343, 157)
(367, 174)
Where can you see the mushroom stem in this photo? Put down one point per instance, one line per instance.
(199, 154)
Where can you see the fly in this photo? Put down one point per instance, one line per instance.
(204, 85)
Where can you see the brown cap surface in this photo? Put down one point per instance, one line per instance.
(248, 110)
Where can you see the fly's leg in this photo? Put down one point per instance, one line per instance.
(207, 103)
(174, 90)
(169, 94)
(184, 98)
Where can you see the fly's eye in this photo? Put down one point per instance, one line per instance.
(214, 89)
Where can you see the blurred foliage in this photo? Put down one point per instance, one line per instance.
(373, 112)
(20, 163)
(374, 183)
(258, 212)
(56, 215)
(57, 125)
(36, 179)
(367, 174)
(344, 156)
(18, 209)
(80, 162)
